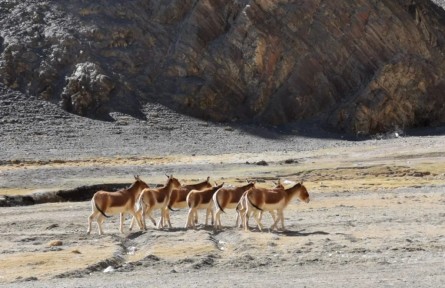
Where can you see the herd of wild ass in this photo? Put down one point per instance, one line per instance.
(139, 200)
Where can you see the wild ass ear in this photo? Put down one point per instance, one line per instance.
(136, 177)
(208, 178)
(250, 181)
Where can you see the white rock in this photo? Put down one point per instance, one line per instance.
(109, 269)
(131, 250)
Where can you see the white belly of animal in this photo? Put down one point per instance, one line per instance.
(158, 205)
(203, 206)
(231, 205)
(116, 210)
(274, 206)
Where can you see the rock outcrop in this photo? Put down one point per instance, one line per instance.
(361, 66)
(87, 89)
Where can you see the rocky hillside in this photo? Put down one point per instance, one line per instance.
(360, 66)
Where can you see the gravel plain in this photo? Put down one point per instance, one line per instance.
(376, 216)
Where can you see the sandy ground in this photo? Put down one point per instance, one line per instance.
(376, 216)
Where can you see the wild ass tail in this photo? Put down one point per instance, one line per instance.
(217, 203)
(100, 210)
(248, 199)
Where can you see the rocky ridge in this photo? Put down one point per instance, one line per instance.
(362, 67)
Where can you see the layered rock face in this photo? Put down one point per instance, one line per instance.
(362, 66)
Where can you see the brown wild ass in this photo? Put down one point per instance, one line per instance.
(228, 198)
(121, 201)
(241, 207)
(178, 197)
(154, 198)
(272, 199)
(200, 200)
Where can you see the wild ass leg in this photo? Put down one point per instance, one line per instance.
(169, 223)
(167, 218)
(100, 219)
(257, 216)
(218, 219)
(240, 217)
(136, 218)
(246, 218)
(148, 212)
(195, 218)
(272, 213)
(142, 217)
(192, 215)
(209, 211)
(121, 223)
(90, 220)
(132, 222)
(282, 221)
(277, 219)
(161, 220)
(190, 219)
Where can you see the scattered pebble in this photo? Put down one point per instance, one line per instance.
(52, 226)
(55, 243)
(31, 279)
(262, 163)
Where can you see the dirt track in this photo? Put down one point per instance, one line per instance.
(376, 216)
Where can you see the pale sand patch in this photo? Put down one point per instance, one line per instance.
(173, 250)
(370, 201)
(45, 265)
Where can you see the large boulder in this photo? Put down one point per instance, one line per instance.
(87, 90)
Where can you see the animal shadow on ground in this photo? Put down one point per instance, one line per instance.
(300, 233)
(175, 229)
(203, 227)
(223, 229)
(134, 235)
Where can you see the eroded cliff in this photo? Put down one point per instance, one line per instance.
(363, 66)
